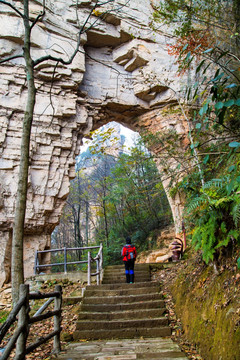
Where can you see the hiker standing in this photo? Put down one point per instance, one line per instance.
(129, 255)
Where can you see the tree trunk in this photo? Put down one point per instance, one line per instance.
(236, 11)
(105, 221)
(18, 229)
(87, 221)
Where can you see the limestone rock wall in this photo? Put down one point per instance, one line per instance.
(122, 72)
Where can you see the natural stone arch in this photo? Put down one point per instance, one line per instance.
(115, 77)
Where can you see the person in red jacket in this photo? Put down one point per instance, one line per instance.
(129, 255)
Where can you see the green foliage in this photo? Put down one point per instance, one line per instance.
(3, 316)
(113, 197)
(207, 41)
(135, 201)
(216, 215)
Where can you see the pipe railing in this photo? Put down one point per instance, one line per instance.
(65, 250)
(99, 265)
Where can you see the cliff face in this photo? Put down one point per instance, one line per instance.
(122, 73)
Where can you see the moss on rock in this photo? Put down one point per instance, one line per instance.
(208, 305)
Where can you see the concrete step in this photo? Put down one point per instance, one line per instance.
(115, 309)
(140, 314)
(122, 333)
(122, 274)
(116, 274)
(132, 312)
(124, 286)
(121, 324)
(119, 271)
(121, 299)
(121, 292)
(117, 277)
(71, 300)
(136, 267)
(122, 279)
(152, 304)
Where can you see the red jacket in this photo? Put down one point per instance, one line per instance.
(127, 250)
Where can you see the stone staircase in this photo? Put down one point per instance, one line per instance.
(115, 310)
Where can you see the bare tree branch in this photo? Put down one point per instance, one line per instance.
(13, 7)
(40, 16)
(11, 58)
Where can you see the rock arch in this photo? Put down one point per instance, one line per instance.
(122, 73)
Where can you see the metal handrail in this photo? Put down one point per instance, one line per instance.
(99, 263)
(38, 266)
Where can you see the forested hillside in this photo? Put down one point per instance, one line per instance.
(205, 43)
(117, 192)
(205, 288)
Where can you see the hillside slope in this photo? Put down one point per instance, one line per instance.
(207, 303)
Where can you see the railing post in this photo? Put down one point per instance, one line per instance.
(65, 260)
(23, 321)
(35, 263)
(101, 261)
(57, 320)
(89, 268)
(98, 273)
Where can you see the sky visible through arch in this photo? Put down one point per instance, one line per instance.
(131, 137)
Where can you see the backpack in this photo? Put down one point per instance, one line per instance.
(130, 252)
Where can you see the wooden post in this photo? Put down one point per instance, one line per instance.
(65, 260)
(89, 268)
(57, 320)
(23, 321)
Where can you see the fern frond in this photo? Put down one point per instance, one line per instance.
(223, 200)
(195, 203)
(217, 183)
(236, 213)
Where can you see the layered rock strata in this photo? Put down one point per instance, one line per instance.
(122, 72)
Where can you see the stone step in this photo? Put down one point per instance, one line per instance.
(152, 304)
(119, 271)
(124, 286)
(122, 272)
(122, 333)
(71, 300)
(129, 356)
(125, 349)
(121, 299)
(140, 314)
(122, 279)
(121, 292)
(136, 266)
(167, 355)
(114, 300)
(137, 275)
(121, 324)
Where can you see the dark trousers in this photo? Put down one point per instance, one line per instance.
(129, 270)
